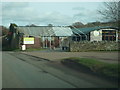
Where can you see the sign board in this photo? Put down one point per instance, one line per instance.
(96, 33)
(28, 40)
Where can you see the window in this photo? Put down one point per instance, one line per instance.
(109, 35)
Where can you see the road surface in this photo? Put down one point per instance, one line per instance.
(24, 71)
(18, 74)
(0, 62)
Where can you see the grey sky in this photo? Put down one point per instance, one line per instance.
(44, 13)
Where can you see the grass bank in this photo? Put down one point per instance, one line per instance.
(101, 68)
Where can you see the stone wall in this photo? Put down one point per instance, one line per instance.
(93, 46)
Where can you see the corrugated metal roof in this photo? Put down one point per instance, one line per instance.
(36, 31)
(45, 31)
(89, 29)
(62, 31)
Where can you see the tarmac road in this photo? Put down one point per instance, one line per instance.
(0, 62)
(24, 71)
(19, 74)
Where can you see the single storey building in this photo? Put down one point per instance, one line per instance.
(59, 36)
(40, 36)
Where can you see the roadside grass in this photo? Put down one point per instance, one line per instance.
(10, 49)
(96, 66)
(98, 51)
(104, 50)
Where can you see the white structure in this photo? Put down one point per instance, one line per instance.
(23, 47)
(96, 35)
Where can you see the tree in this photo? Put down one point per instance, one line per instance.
(50, 25)
(77, 24)
(12, 27)
(32, 25)
(110, 11)
(4, 31)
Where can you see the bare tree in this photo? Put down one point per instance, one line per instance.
(50, 25)
(77, 24)
(110, 11)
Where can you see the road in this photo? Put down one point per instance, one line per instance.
(17, 74)
(0, 62)
(24, 71)
(0, 70)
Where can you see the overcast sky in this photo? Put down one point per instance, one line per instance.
(44, 13)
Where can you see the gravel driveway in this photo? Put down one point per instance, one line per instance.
(110, 57)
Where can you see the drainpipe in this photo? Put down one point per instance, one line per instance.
(46, 43)
(43, 41)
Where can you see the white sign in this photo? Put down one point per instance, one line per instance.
(28, 40)
(96, 33)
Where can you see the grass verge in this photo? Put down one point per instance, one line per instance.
(101, 68)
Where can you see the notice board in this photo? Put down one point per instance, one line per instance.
(28, 40)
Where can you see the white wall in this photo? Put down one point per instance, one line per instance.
(96, 35)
